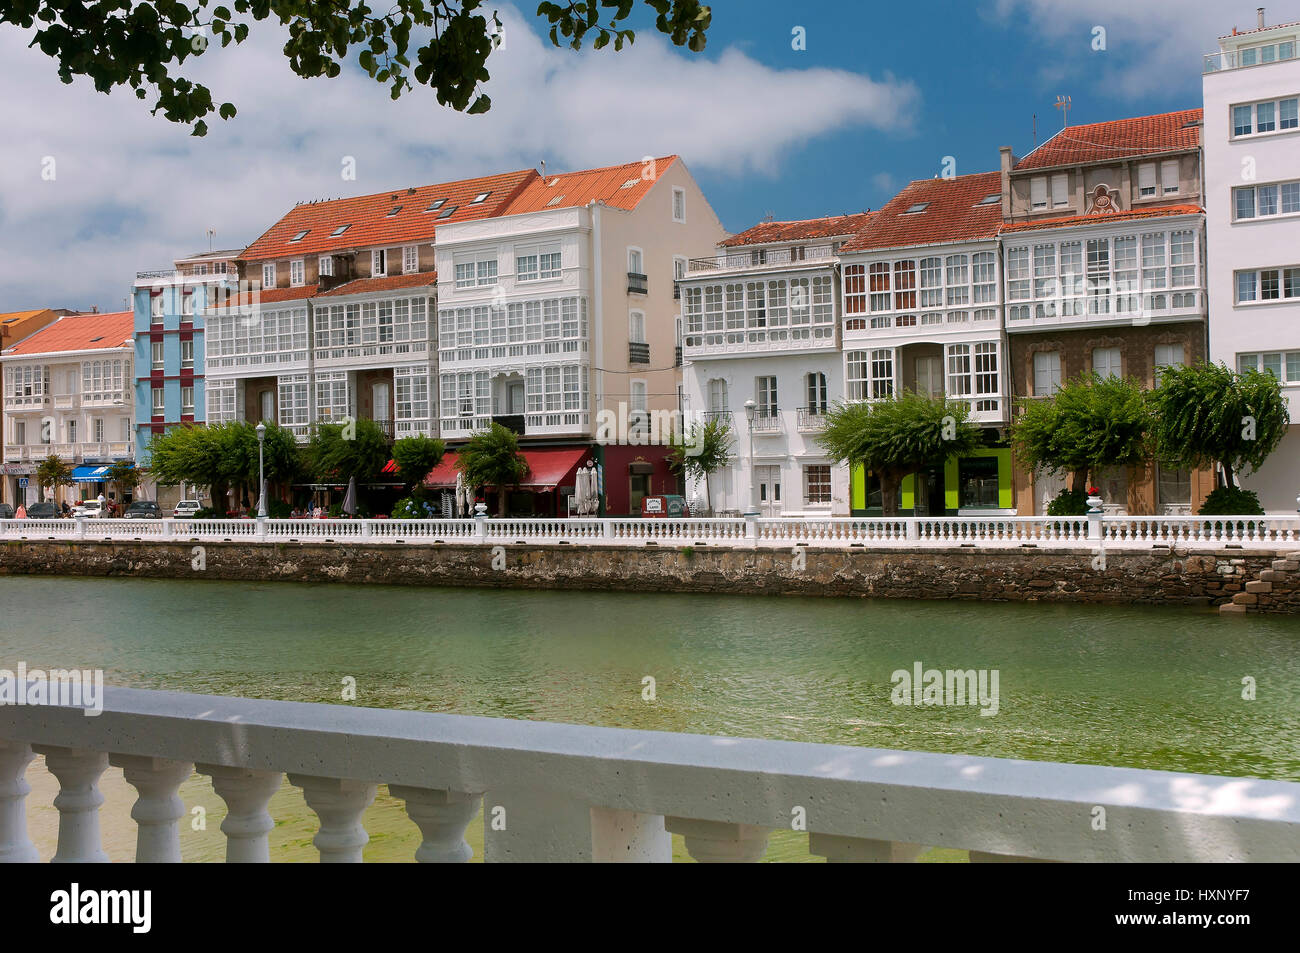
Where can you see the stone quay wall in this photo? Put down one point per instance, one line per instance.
(1146, 577)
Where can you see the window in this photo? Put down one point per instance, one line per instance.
(639, 396)
(300, 236)
(879, 274)
(156, 354)
(1275, 115)
(480, 198)
(1047, 373)
(817, 484)
(98, 431)
(679, 205)
(159, 401)
(72, 431)
(1038, 192)
(20, 433)
(1060, 190)
(1018, 273)
(340, 230)
(296, 272)
(187, 304)
(268, 275)
(447, 212)
(917, 208)
(435, 205)
(1106, 361)
(679, 267)
(537, 263)
(717, 395)
(156, 307)
(817, 393)
(765, 396)
(1169, 177)
(1167, 355)
(636, 327)
(1268, 284)
(855, 375)
(476, 272)
(855, 289)
(635, 265)
(1147, 180)
(1262, 201)
(1242, 120)
(1284, 365)
(187, 400)
(325, 265)
(378, 262)
(904, 285)
(410, 259)
(882, 373)
(187, 354)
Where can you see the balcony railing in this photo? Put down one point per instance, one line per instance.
(636, 283)
(766, 420)
(638, 352)
(721, 416)
(677, 356)
(761, 258)
(1251, 56)
(812, 419)
(580, 793)
(738, 341)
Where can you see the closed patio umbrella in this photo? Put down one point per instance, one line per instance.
(350, 498)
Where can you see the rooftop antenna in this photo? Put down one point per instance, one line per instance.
(211, 233)
(1035, 130)
(1063, 104)
(770, 216)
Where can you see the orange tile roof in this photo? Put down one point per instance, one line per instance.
(81, 332)
(829, 226)
(1075, 220)
(268, 296)
(369, 223)
(618, 186)
(951, 215)
(9, 317)
(1259, 29)
(1118, 139)
(362, 285)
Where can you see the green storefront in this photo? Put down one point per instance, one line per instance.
(979, 482)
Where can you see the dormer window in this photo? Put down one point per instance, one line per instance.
(296, 238)
(340, 230)
(918, 207)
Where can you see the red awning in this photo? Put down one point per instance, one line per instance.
(549, 467)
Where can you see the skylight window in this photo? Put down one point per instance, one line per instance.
(300, 236)
(629, 183)
(481, 197)
(447, 212)
(435, 205)
(394, 210)
(556, 201)
(918, 207)
(991, 199)
(341, 229)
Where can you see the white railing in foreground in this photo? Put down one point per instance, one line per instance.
(567, 792)
(1132, 532)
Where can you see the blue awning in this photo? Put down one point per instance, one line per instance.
(93, 474)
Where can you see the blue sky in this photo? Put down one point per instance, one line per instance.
(879, 96)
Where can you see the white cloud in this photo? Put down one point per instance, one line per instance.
(133, 191)
(1150, 45)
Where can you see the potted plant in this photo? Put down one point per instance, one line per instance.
(1094, 499)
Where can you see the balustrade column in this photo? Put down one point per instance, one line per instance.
(442, 817)
(339, 803)
(15, 846)
(861, 850)
(78, 771)
(158, 809)
(246, 793)
(720, 842)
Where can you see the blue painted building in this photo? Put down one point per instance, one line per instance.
(169, 356)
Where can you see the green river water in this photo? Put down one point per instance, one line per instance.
(1151, 688)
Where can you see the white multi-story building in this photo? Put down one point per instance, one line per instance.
(68, 392)
(558, 317)
(1252, 173)
(761, 352)
(922, 307)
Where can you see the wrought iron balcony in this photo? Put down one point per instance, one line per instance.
(638, 352)
(636, 284)
(721, 416)
(766, 420)
(812, 419)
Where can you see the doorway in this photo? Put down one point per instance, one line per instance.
(928, 493)
(266, 401)
(929, 376)
(380, 401)
(515, 398)
(768, 479)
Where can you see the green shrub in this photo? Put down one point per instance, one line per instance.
(336, 510)
(208, 513)
(412, 508)
(1232, 501)
(278, 510)
(1069, 503)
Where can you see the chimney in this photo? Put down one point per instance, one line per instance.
(1259, 17)
(1008, 160)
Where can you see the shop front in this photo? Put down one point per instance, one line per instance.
(975, 484)
(546, 491)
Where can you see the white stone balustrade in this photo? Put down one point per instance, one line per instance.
(992, 532)
(555, 792)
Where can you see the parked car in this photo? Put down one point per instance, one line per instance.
(665, 507)
(186, 509)
(42, 511)
(90, 509)
(6, 511)
(142, 510)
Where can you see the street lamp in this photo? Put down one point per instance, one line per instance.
(261, 476)
(750, 408)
